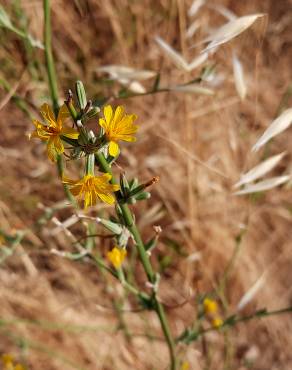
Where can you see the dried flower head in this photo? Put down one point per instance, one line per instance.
(52, 130)
(91, 188)
(118, 126)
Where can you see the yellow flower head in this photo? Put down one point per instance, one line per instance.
(118, 126)
(116, 256)
(210, 306)
(217, 322)
(185, 366)
(52, 130)
(7, 359)
(91, 188)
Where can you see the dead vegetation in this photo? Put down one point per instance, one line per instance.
(59, 314)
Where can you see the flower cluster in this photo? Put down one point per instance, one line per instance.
(113, 127)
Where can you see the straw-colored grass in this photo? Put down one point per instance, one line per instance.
(59, 314)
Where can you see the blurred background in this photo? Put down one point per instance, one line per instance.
(62, 314)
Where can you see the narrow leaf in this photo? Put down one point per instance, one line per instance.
(259, 170)
(277, 126)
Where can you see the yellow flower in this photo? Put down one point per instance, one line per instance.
(52, 130)
(217, 322)
(19, 367)
(118, 126)
(116, 256)
(7, 359)
(92, 188)
(210, 306)
(185, 366)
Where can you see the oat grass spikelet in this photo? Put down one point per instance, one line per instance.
(91, 188)
(118, 126)
(52, 130)
(116, 256)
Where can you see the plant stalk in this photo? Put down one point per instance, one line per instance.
(129, 220)
(49, 56)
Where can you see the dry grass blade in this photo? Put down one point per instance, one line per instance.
(230, 30)
(277, 126)
(251, 293)
(259, 170)
(239, 79)
(196, 5)
(193, 88)
(264, 185)
(123, 72)
(227, 13)
(178, 59)
(192, 29)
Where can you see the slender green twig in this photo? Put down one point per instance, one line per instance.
(129, 220)
(52, 78)
(189, 336)
(130, 224)
(49, 56)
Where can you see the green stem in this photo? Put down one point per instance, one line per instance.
(49, 56)
(129, 220)
(53, 85)
(130, 223)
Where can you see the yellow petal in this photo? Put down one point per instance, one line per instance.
(113, 149)
(48, 115)
(103, 124)
(119, 112)
(69, 132)
(62, 115)
(54, 147)
(107, 198)
(58, 144)
(108, 113)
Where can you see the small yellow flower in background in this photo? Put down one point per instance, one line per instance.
(210, 306)
(116, 256)
(185, 366)
(52, 130)
(118, 126)
(217, 322)
(7, 361)
(91, 188)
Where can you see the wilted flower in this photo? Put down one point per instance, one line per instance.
(116, 256)
(118, 126)
(92, 188)
(52, 131)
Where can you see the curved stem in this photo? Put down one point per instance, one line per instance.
(129, 220)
